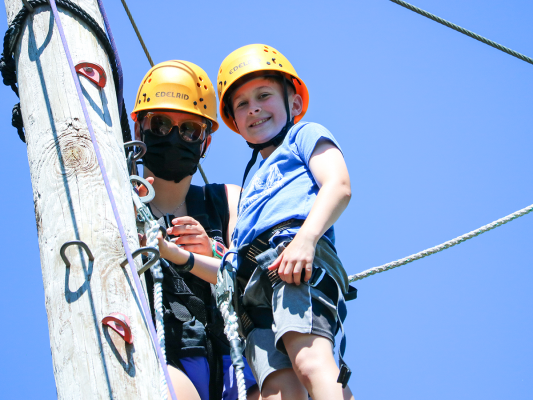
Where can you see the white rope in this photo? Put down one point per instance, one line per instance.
(440, 247)
(157, 273)
(230, 329)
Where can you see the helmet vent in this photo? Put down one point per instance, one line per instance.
(200, 78)
(205, 87)
(198, 84)
(149, 80)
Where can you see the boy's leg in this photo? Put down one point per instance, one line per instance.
(313, 363)
(283, 384)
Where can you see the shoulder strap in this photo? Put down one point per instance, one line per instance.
(216, 200)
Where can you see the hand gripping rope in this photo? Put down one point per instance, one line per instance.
(145, 308)
(225, 290)
(440, 247)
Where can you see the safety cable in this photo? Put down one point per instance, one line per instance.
(463, 31)
(441, 247)
(138, 33)
(120, 88)
(145, 308)
(204, 177)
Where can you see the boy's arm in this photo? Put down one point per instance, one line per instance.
(329, 170)
(204, 267)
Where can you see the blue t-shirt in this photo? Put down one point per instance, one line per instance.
(283, 186)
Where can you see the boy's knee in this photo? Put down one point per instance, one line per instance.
(310, 354)
(283, 384)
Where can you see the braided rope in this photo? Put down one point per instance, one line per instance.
(463, 31)
(441, 247)
(230, 329)
(157, 274)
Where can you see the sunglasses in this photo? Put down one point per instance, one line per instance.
(162, 125)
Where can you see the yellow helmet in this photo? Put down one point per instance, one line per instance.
(180, 86)
(254, 58)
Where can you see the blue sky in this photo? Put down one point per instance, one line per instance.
(436, 131)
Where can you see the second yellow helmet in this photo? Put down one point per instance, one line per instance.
(250, 59)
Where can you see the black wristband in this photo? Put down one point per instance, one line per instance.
(187, 266)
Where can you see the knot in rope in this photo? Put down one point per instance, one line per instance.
(8, 69)
(16, 121)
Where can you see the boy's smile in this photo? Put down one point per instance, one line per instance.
(259, 109)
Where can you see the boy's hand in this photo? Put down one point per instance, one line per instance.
(298, 255)
(191, 236)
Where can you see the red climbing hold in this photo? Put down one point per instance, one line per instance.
(120, 324)
(93, 72)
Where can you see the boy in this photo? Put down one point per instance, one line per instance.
(285, 223)
(302, 185)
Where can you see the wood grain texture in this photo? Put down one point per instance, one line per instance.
(71, 203)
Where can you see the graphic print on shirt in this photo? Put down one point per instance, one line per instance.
(260, 188)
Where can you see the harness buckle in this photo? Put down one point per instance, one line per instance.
(344, 375)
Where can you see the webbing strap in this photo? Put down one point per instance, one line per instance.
(134, 274)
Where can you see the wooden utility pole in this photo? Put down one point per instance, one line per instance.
(71, 203)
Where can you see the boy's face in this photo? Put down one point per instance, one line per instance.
(259, 109)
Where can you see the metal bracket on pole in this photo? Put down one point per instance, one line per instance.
(149, 263)
(77, 243)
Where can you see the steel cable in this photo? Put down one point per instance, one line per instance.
(464, 31)
(441, 247)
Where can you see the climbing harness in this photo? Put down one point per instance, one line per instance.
(441, 247)
(259, 253)
(463, 31)
(8, 66)
(134, 274)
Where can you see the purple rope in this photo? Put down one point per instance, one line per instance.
(145, 308)
(117, 58)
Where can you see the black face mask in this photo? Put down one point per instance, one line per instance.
(170, 157)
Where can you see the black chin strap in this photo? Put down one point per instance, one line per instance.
(275, 141)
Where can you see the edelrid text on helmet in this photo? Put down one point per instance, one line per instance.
(177, 86)
(252, 59)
